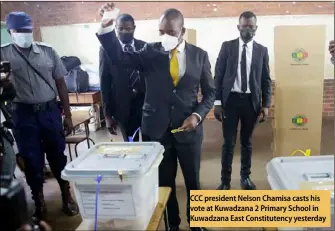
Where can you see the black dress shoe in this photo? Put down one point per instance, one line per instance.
(247, 184)
(198, 229)
(174, 228)
(223, 187)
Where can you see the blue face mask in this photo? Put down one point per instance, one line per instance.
(23, 40)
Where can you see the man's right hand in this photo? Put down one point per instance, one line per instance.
(218, 112)
(111, 125)
(106, 8)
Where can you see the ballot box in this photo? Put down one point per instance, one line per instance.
(127, 192)
(303, 173)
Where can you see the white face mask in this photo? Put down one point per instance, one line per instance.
(169, 42)
(23, 40)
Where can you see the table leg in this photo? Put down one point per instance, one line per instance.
(87, 132)
(70, 153)
(166, 220)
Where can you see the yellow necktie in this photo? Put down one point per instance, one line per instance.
(174, 67)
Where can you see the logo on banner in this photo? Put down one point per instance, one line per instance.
(299, 55)
(299, 121)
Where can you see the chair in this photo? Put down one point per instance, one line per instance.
(76, 139)
(78, 119)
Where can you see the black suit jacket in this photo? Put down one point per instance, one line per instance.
(166, 106)
(114, 81)
(259, 80)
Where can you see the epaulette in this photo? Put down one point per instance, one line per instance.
(43, 44)
(6, 45)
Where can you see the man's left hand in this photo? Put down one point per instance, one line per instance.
(68, 126)
(190, 123)
(264, 114)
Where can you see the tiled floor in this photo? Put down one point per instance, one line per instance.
(210, 169)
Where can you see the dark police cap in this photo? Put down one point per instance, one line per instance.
(18, 20)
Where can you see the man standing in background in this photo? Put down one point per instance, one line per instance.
(38, 77)
(122, 87)
(243, 91)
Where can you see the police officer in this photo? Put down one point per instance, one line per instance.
(37, 117)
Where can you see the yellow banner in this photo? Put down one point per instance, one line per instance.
(260, 208)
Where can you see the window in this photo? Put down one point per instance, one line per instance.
(5, 37)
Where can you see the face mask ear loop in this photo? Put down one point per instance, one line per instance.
(181, 32)
(179, 42)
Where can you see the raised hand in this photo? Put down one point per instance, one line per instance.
(108, 7)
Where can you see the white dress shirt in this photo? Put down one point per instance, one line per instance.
(181, 56)
(237, 87)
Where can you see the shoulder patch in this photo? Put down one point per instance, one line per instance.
(6, 45)
(43, 44)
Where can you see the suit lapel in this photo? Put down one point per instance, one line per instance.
(254, 58)
(188, 56)
(136, 45)
(235, 52)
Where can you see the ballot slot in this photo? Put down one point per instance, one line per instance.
(318, 177)
(114, 156)
(125, 156)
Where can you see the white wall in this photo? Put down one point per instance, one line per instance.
(80, 39)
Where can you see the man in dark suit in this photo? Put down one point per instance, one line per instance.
(243, 91)
(174, 70)
(122, 87)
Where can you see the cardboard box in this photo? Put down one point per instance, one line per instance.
(299, 71)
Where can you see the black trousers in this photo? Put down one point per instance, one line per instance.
(188, 156)
(134, 120)
(237, 108)
(38, 133)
